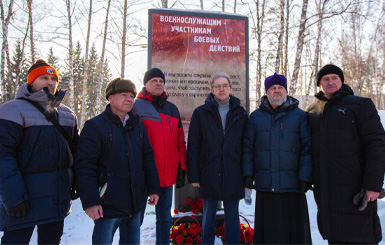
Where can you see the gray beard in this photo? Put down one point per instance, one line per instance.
(277, 102)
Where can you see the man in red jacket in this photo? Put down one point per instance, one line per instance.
(164, 128)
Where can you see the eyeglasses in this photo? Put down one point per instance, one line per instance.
(224, 86)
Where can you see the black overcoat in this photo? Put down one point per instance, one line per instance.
(214, 159)
(348, 146)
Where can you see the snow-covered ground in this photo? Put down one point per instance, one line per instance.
(78, 227)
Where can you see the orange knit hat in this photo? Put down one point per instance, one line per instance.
(40, 68)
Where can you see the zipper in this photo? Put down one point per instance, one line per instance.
(169, 123)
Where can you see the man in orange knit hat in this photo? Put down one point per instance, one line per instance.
(38, 137)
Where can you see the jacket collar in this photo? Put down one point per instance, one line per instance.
(343, 91)
(160, 100)
(289, 104)
(41, 96)
(210, 102)
(116, 120)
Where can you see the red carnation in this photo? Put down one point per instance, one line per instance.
(196, 211)
(175, 211)
(198, 240)
(182, 210)
(188, 200)
(193, 233)
(179, 239)
(182, 227)
(189, 240)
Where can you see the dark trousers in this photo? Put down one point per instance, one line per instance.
(49, 233)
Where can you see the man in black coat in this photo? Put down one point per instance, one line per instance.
(214, 154)
(115, 166)
(348, 146)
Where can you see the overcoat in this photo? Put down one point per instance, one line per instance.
(214, 159)
(120, 156)
(348, 145)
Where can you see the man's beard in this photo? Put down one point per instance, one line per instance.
(277, 101)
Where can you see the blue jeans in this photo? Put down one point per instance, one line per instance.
(232, 225)
(163, 216)
(49, 233)
(129, 230)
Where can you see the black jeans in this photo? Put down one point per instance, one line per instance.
(49, 233)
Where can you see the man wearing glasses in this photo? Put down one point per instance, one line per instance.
(214, 153)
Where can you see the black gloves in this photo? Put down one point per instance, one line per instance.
(74, 193)
(304, 186)
(180, 178)
(19, 211)
(360, 200)
(248, 182)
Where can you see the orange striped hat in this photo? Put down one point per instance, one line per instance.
(40, 68)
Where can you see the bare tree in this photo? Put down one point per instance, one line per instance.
(4, 47)
(280, 36)
(85, 79)
(123, 55)
(201, 4)
(70, 56)
(101, 61)
(300, 40)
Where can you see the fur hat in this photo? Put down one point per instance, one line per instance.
(275, 79)
(119, 85)
(329, 69)
(40, 68)
(153, 72)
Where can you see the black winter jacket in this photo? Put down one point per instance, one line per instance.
(214, 159)
(348, 145)
(120, 156)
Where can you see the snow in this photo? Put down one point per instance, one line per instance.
(78, 226)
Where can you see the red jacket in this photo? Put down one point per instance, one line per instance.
(164, 128)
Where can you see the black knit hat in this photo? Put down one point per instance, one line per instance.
(153, 72)
(329, 69)
(119, 85)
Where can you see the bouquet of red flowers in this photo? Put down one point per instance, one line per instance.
(246, 233)
(196, 206)
(186, 233)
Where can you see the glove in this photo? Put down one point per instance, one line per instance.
(248, 182)
(74, 193)
(360, 200)
(180, 178)
(304, 186)
(382, 194)
(19, 211)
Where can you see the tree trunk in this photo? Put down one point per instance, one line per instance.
(201, 4)
(101, 62)
(83, 117)
(286, 52)
(123, 61)
(164, 4)
(29, 2)
(5, 47)
(260, 22)
(223, 5)
(280, 37)
(70, 57)
(298, 55)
